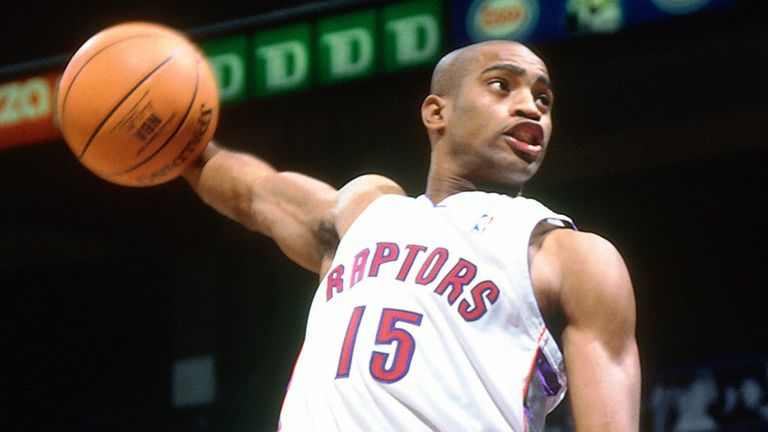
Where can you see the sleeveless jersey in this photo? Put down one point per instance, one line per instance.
(427, 321)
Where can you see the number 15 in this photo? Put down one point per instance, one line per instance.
(387, 334)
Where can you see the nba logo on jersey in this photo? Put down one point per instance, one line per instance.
(482, 223)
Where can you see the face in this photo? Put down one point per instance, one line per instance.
(498, 121)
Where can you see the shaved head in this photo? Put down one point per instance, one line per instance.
(453, 67)
(446, 75)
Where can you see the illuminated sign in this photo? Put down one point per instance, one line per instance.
(680, 6)
(282, 59)
(502, 19)
(26, 110)
(347, 47)
(535, 21)
(327, 51)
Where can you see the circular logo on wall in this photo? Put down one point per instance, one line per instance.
(501, 19)
(678, 7)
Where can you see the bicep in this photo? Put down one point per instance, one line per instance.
(599, 342)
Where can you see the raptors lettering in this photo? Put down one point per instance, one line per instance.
(422, 266)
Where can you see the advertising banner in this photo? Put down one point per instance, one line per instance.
(327, 50)
(540, 21)
(26, 110)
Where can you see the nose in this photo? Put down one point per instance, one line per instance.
(524, 105)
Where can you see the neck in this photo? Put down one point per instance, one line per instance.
(443, 182)
(449, 174)
(440, 188)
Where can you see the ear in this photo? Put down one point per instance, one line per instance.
(433, 113)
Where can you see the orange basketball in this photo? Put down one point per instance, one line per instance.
(137, 103)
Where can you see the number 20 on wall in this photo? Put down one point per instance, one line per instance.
(387, 334)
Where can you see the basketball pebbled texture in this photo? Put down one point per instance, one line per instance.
(137, 103)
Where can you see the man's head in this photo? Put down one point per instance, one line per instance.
(489, 113)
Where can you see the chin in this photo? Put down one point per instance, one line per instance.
(509, 174)
(522, 174)
(533, 168)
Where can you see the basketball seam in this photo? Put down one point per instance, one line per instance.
(77, 74)
(126, 96)
(172, 136)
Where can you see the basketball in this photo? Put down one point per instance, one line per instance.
(137, 103)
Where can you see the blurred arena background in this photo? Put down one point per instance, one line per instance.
(141, 309)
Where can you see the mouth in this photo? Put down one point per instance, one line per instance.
(526, 139)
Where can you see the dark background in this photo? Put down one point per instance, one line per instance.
(659, 146)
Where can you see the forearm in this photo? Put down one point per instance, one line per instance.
(227, 181)
(604, 389)
(293, 209)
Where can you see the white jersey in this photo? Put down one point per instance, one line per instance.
(427, 321)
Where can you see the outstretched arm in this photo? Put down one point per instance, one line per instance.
(304, 216)
(601, 354)
(294, 209)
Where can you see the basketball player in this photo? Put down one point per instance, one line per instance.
(432, 312)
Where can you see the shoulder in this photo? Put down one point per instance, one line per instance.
(583, 273)
(355, 196)
(581, 251)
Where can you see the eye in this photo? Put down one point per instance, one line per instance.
(499, 84)
(544, 99)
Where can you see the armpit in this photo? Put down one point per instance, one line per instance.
(326, 237)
